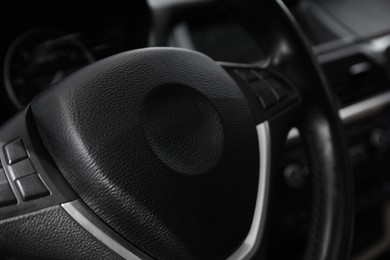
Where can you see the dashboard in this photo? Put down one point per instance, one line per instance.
(48, 41)
(350, 38)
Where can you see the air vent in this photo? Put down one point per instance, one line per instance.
(355, 77)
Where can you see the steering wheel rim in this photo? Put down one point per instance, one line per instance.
(320, 126)
(316, 117)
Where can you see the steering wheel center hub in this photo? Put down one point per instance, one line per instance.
(162, 145)
(184, 129)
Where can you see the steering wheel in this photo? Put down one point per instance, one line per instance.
(164, 153)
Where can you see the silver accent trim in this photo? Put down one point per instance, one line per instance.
(253, 240)
(90, 222)
(358, 111)
(97, 228)
(365, 108)
(156, 4)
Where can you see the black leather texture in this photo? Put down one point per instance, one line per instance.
(161, 144)
(49, 234)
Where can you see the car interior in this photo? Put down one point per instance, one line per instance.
(195, 129)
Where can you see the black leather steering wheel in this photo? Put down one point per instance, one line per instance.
(164, 153)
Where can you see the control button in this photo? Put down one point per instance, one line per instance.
(267, 98)
(246, 75)
(263, 74)
(31, 187)
(15, 151)
(21, 169)
(258, 86)
(295, 175)
(278, 87)
(7, 197)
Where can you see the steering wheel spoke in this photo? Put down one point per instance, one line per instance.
(271, 95)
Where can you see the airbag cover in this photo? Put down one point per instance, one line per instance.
(161, 144)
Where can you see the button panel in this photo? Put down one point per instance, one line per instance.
(247, 75)
(273, 92)
(268, 90)
(23, 173)
(7, 196)
(22, 127)
(15, 151)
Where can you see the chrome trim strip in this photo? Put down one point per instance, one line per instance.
(97, 228)
(358, 111)
(252, 241)
(155, 4)
(365, 108)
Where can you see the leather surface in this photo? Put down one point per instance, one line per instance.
(161, 145)
(333, 200)
(49, 234)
